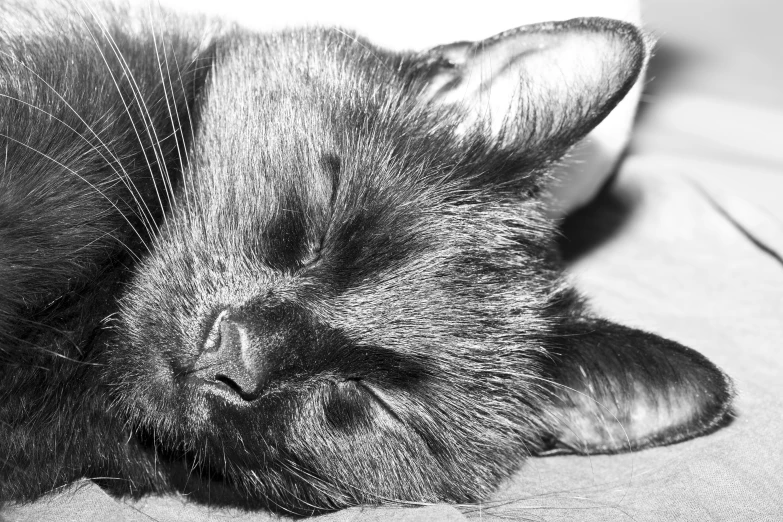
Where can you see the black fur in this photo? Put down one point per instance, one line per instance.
(303, 274)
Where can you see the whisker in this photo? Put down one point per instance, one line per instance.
(188, 203)
(116, 239)
(164, 170)
(124, 177)
(140, 103)
(355, 40)
(28, 345)
(70, 170)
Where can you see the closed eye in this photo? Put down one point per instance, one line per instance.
(313, 257)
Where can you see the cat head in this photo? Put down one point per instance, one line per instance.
(355, 296)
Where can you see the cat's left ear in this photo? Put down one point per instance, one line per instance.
(615, 388)
(540, 87)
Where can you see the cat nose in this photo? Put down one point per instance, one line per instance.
(230, 360)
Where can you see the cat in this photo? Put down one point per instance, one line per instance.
(295, 271)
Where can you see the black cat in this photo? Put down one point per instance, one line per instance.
(300, 272)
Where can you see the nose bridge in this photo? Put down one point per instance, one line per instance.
(267, 317)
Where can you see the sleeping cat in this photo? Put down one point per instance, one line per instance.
(299, 272)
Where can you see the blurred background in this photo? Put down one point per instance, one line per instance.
(728, 48)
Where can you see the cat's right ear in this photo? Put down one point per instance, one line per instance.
(538, 88)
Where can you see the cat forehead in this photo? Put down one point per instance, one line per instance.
(308, 110)
(304, 64)
(284, 97)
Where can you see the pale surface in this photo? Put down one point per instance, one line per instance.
(669, 262)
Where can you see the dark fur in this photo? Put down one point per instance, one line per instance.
(411, 335)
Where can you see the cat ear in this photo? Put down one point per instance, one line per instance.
(618, 389)
(539, 87)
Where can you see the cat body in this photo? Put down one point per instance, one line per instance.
(297, 271)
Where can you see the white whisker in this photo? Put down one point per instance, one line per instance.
(124, 176)
(138, 98)
(71, 171)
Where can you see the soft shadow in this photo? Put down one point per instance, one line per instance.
(588, 228)
(593, 225)
(665, 70)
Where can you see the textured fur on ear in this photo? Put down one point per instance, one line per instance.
(537, 88)
(620, 389)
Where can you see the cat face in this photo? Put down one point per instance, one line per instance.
(355, 298)
(328, 328)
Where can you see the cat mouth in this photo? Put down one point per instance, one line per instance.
(225, 388)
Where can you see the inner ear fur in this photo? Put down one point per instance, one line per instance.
(615, 388)
(538, 88)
